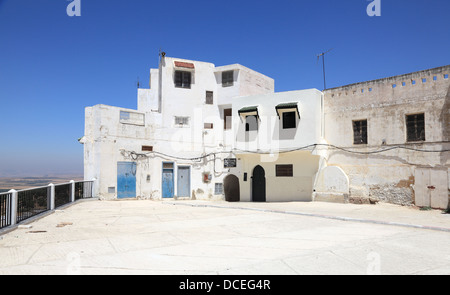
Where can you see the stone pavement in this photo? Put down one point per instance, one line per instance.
(214, 237)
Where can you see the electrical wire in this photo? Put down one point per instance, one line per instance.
(136, 156)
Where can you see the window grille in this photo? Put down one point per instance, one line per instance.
(181, 121)
(182, 79)
(360, 132)
(218, 188)
(227, 78)
(284, 170)
(209, 97)
(415, 127)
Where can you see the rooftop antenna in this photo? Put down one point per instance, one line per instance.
(138, 82)
(323, 64)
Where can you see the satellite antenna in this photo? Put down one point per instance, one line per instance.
(323, 64)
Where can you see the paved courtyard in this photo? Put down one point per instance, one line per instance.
(199, 237)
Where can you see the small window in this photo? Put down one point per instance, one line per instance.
(446, 76)
(394, 85)
(413, 82)
(370, 89)
(251, 123)
(218, 188)
(360, 132)
(182, 79)
(208, 125)
(434, 78)
(167, 165)
(415, 127)
(284, 170)
(403, 83)
(227, 119)
(182, 121)
(209, 97)
(227, 78)
(289, 120)
(147, 148)
(424, 80)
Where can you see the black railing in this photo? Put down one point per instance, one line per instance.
(83, 190)
(5, 210)
(32, 202)
(62, 194)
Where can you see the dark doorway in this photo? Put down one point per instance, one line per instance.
(259, 184)
(231, 188)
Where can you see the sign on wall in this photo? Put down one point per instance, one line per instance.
(229, 162)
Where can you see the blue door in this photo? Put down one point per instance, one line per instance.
(184, 181)
(167, 180)
(126, 180)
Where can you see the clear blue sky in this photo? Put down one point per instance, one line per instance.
(52, 66)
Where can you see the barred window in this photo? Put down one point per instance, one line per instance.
(182, 121)
(227, 78)
(284, 170)
(360, 132)
(415, 127)
(209, 97)
(218, 188)
(182, 79)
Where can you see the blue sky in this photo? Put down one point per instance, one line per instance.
(52, 66)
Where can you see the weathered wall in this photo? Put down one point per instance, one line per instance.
(388, 176)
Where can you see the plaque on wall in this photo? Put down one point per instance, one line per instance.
(229, 162)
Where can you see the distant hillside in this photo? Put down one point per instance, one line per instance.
(18, 183)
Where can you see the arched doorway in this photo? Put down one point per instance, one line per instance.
(259, 184)
(231, 188)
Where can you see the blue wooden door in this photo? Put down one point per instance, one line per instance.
(183, 181)
(167, 180)
(126, 180)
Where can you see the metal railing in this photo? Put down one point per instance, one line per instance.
(5, 209)
(31, 202)
(17, 206)
(62, 194)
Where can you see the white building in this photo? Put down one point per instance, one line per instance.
(207, 132)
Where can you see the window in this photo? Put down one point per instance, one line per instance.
(132, 118)
(251, 123)
(182, 79)
(218, 188)
(227, 119)
(208, 125)
(284, 170)
(147, 148)
(209, 97)
(360, 132)
(227, 78)
(182, 121)
(289, 120)
(415, 127)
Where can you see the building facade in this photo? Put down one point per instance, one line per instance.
(207, 132)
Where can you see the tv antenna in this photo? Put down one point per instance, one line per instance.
(323, 65)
